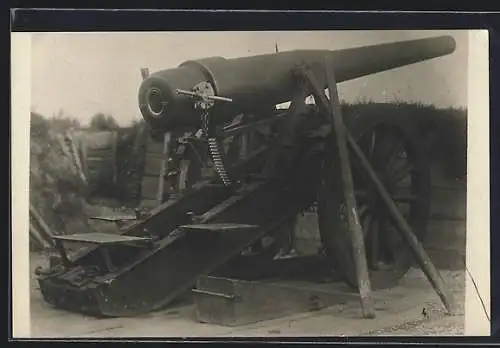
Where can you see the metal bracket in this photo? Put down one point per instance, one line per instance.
(204, 99)
(204, 95)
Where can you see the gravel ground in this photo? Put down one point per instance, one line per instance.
(436, 322)
(398, 313)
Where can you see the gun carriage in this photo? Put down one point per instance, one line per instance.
(243, 170)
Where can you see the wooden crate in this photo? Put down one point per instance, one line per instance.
(235, 302)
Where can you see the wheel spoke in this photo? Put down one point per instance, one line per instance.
(388, 154)
(402, 198)
(387, 149)
(366, 225)
(372, 144)
(374, 247)
(395, 157)
(386, 247)
(403, 194)
(395, 240)
(402, 172)
(361, 194)
(362, 210)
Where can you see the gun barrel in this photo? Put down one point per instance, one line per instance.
(260, 82)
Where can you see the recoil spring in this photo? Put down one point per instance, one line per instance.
(214, 150)
(217, 159)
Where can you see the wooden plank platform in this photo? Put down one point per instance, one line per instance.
(114, 218)
(101, 238)
(217, 227)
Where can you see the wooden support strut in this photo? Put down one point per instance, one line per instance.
(286, 135)
(364, 286)
(407, 234)
(44, 228)
(62, 251)
(404, 229)
(164, 167)
(76, 157)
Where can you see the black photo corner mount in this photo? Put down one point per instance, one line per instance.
(26, 20)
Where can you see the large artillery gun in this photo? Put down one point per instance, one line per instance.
(265, 166)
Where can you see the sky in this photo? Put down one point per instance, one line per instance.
(82, 74)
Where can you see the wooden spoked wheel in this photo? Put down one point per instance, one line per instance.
(396, 154)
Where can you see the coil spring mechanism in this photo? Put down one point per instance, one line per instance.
(218, 160)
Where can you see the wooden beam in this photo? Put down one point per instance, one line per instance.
(76, 157)
(358, 244)
(38, 237)
(405, 230)
(357, 238)
(44, 228)
(64, 147)
(164, 167)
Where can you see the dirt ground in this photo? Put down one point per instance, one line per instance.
(398, 312)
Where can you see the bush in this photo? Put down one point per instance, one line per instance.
(56, 189)
(443, 130)
(102, 122)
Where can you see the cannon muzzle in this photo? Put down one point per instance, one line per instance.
(260, 82)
